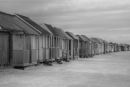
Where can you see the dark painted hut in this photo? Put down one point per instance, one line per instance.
(88, 46)
(70, 46)
(75, 45)
(82, 46)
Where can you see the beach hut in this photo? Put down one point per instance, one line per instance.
(115, 47)
(7, 27)
(29, 55)
(56, 52)
(92, 43)
(106, 47)
(128, 47)
(17, 41)
(124, 47)
(102, 44)
(96, 46)
(70, 46)
(41, 44)
(62, 43)
(112, 47)
(75, 45)
(82, 46)
(88, 46)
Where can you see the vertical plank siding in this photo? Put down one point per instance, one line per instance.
(20, 50)
(48, 53)
(4, 49)
(34, 49)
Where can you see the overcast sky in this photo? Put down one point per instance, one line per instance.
(107, 19)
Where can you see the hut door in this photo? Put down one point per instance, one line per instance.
(4, 49)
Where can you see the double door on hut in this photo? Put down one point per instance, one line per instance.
(4, 49)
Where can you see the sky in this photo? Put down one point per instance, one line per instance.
(106, 19)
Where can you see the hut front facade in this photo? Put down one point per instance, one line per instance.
(75, 45)
(82, 46)
(96, 46)
(88, 46)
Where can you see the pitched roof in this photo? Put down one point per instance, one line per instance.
(57, 31)
(62, 33)
(81, 38)
(98, 40)
(72, 35)
(69, 36)
(33, 24)
(7, 22)
(25, 27)
(46, 28)
(87, 39)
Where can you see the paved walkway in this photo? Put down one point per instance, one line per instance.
(111, 70)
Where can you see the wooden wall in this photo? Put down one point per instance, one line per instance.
(20, 49)
(4, 49)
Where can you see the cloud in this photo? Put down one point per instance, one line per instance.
(108, 19)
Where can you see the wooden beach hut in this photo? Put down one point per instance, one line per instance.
(82, 46)
(30, 46)
(56, 52)
(106, 47)
(41, 44)
(17, 41)
(61, 43)
(96, 46)
(75, 45)
(99, 45)
(112, 46)
(115, 47)
(7, 28)
(70, 46)
(88, 46)
(92, 43)
(102, 45)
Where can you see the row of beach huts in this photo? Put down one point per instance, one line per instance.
(23, 42)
